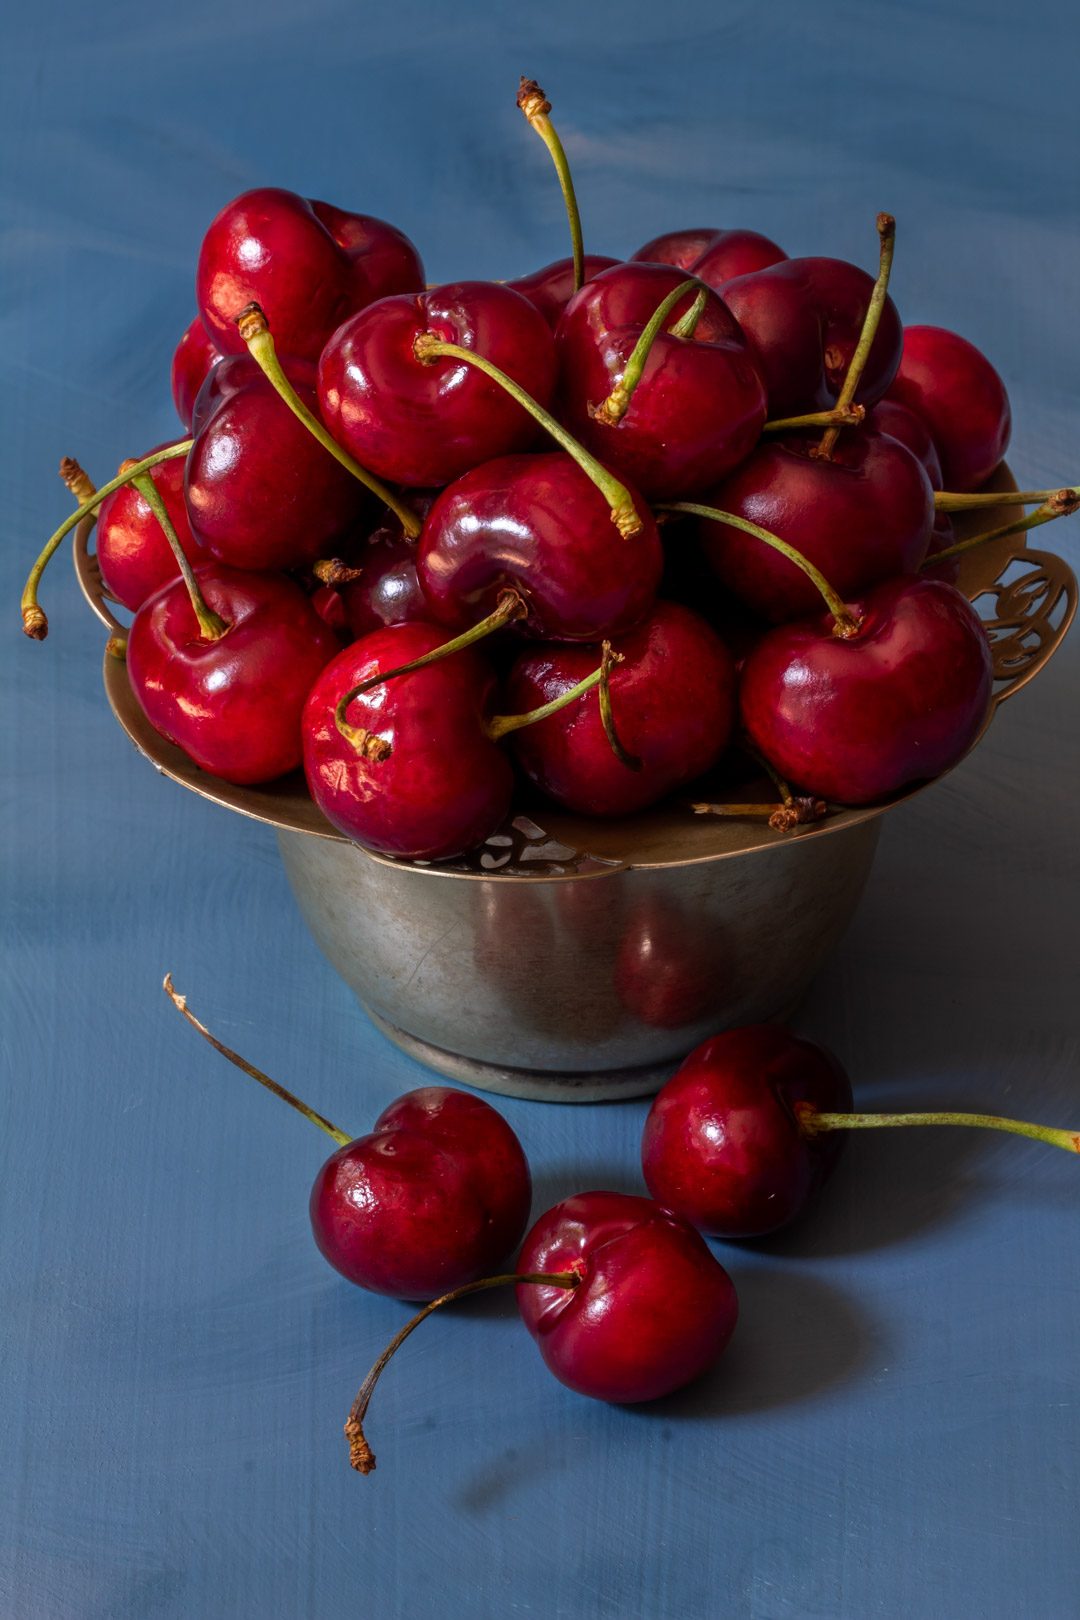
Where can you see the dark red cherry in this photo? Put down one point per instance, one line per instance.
(652, 1311)
(942, 538)
(962, 400)
(194, 357)
(132, 552)
(901, 422)
(232, 704)
(673, 704)
(861, 516)
(388, 590)
(539, 524)
(261, 491)
(551, 288)
(714, 256)
(435, 1196)
(723, 1145)
(803, 319)
(855, 719)
(307, 264)
(419, 422)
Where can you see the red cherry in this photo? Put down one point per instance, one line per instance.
(261, 491)
(942, 538)
(309, 265)
(132, 552)
(712, 255)
(653, 1308)
(424, 422)
(233, 704)
(551, 288)
(435, 1196)
(673, 704)
(901, 422)
(194, 358)
(962, 400)
(723, 1144)
(853, 719)
(388, 590)
(673, 964)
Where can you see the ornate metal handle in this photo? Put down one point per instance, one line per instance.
(1034, 602)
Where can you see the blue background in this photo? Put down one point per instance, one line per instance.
(894, 1432)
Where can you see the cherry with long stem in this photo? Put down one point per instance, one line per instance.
(1059, 503)
(361, 1456)
(886, 227)
(510, 606)
(536, 107)
(211, 624)
(615, 406)
(814, 1123)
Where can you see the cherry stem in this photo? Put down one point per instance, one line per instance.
(536, 107)
(500, 724)
(615, 406)
(255, 331)
(180, 1003)
(211, 624)
(429, 348)
(839, 416)
(886, 227)
(80, 483)
(1061, 503)
(116, 647)
(846, 624)
(786, 795)
(609, 659)
(794, 812)
(35, 623)
(814, 1123)
(511, 606)
(946, 500)
(686, 325)
(334, 571)
(361, 1456)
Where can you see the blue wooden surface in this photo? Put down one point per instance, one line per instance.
(894, 1432)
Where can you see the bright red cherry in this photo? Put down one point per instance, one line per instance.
(307, 264)
(232, 702)
(714, 256)
(551, 288)
(962, 400)
(425, 421)
(723, 1144)
(195, 356)
(132, 552)
(673, 705)
(653, 1308)
(854, 719)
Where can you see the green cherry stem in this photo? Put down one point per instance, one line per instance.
(361, 1456)
(839, 416)
(886, 228)
(211, 624)
(428, 348)
(35, 623)
(255, 331)
(180, 1003)
(845, 626)
(500, 724)
(814, 1124)
(608, 660)
(536, 107)
(686, 325)
(1062, 503)
(80, 483)
(615, 406)
(946, 500)
(794, 812)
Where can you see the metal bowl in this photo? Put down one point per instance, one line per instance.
(572, 959)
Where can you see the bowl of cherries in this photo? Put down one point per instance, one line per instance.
(573, 632)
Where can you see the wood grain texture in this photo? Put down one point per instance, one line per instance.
(893, 1433)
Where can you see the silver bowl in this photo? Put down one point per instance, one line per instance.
(577, 960)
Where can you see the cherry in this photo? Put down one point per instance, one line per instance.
(308, 264)
(387, 590)
(672, 704)
(901, 422)
(194, 358)
(896, 698)
(435, 1195)
(960, 397)
(133, 553)
(424, 421)
(714, 256)
(551, 288)
(657, 380)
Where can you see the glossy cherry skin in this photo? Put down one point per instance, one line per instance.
(194, 357)
(388, 590)
(418, 422)
(862, 516)
(552, 288)
(853, 720)
(262, 492)
(445, 786)
(698, 408)
(539, 524)
(132, 552)
(803, 318)
(713, 255)
(653, 1309)
(901, 422)
(673, 701)
(435, 1196)
(962, 400)
(308, 264)
(723, 1145)
(232, 704)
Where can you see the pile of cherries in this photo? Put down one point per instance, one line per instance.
(693, 498)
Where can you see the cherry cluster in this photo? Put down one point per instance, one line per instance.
(694, 497)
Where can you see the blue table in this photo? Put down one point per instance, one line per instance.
(894, 1432)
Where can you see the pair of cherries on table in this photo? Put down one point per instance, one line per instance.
(622, 1295)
